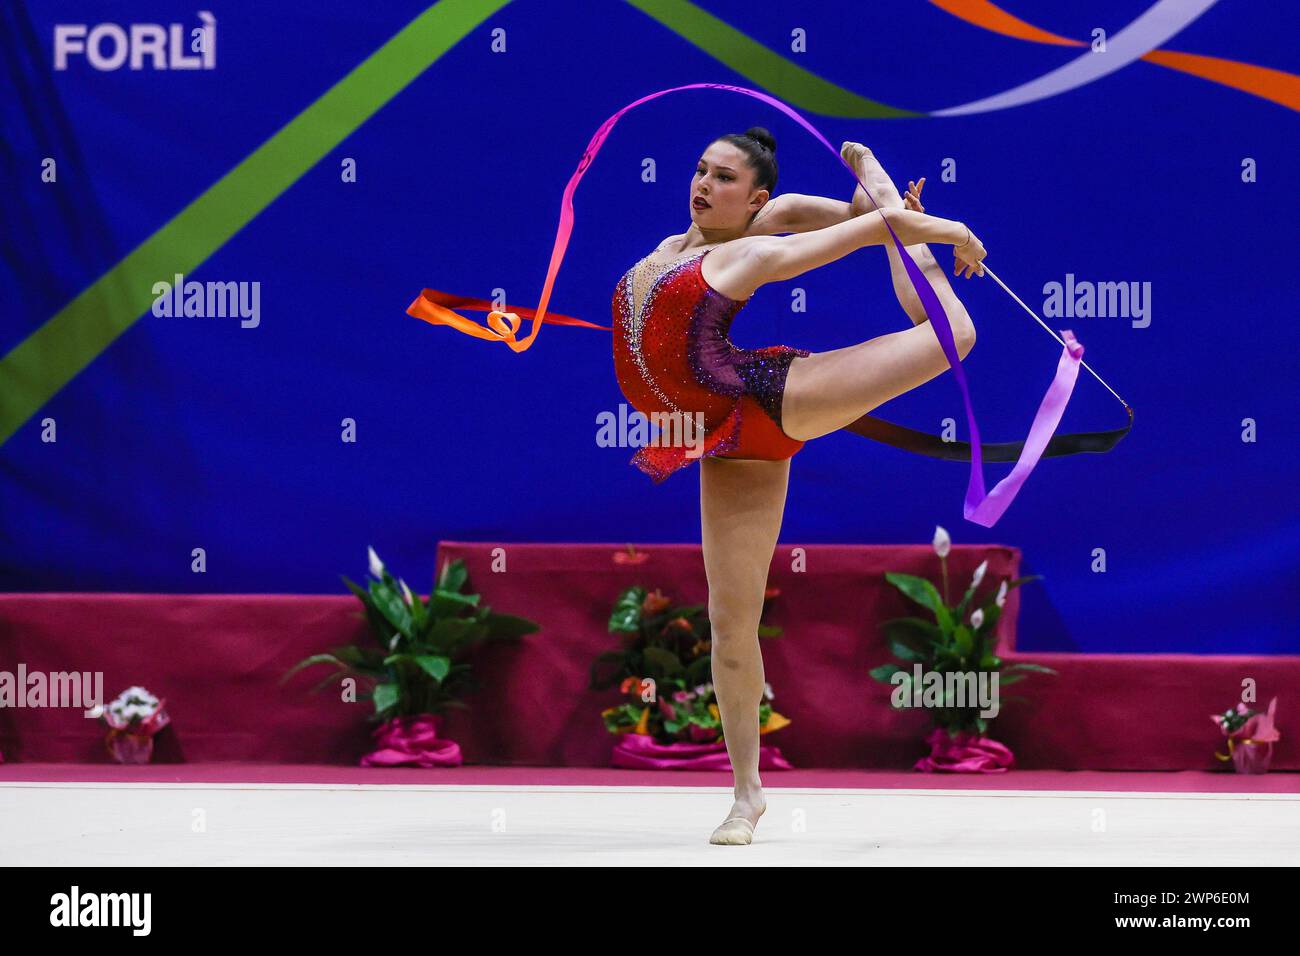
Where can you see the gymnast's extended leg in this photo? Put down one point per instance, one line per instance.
(741, 504)
(886, 194)
(828, 390)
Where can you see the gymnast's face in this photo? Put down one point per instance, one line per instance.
(724, 180)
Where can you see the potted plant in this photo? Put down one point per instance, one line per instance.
(134, 717)
(1251, 734)
(663, 665)
(418, 666)
(959, 642)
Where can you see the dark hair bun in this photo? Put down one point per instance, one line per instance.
(765, 139)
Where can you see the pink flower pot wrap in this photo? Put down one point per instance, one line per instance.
(1251, 747)
(964, 753)
(129, 748)
(642, 752)
(1252, 757)
(412, 742)
(131, 742)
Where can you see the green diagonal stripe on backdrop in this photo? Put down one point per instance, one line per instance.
(34, 371)
(763, 67)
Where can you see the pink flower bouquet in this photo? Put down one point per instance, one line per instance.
(1251, 735)
(134, 717)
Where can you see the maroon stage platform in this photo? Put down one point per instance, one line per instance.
(218, 660)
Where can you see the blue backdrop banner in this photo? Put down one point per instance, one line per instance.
(214, 220)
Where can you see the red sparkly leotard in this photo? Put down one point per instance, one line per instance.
(672, 355)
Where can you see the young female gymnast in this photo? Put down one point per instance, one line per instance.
(672, 311)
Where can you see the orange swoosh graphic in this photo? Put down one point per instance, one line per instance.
(1276, 86)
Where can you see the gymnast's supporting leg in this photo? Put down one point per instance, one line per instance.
(741, 504)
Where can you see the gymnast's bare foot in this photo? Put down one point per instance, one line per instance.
(877, 180)
(738, 828)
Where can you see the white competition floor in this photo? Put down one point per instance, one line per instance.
(206, 824)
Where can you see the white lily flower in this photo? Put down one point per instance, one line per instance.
(942, 543)
(135, 693)
(767, 691)
(979, 574)
(977, 619)
(406, 593)
(1001, 599)
(376, 566)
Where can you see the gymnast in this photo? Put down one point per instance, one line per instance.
(672, 311)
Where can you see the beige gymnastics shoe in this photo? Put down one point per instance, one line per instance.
(734, 831)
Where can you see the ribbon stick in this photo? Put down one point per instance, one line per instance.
(981, 507)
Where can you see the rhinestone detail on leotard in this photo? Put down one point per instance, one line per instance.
(683, 357)
(641, 288)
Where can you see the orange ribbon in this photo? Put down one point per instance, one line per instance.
(436, 308)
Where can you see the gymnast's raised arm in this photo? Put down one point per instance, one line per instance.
(757, 260)
(798, 212)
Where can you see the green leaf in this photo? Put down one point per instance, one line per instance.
(917, 636)
(917, 625)
(385, 696)
(449, 603)
(1025, 666)
(351, 654)
(331, 679)
(699, 671)
(769, 630)
(507, 626)
(960, 612)
(626, 616)
(392, 607)
(661, 662)
(419, 614)
(885, 672)
(314, 659)
(964, 638)
(451, 634)
(904, 652)
(1025, 580)
(992, 613)
(379, 628)
(923, 593)
(356, 589)
(434, 665)
(453, 576)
